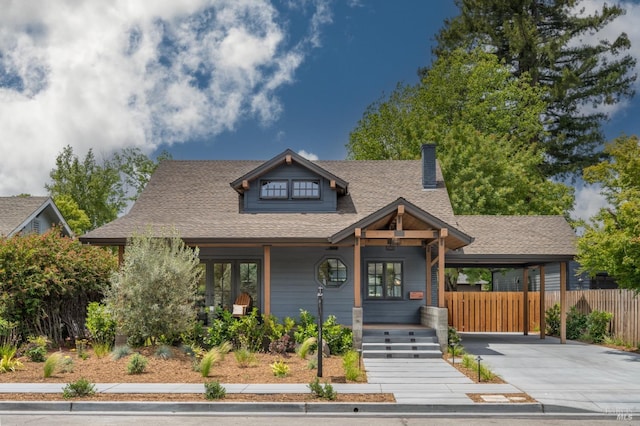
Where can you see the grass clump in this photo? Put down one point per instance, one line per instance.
(245, 358)
(470, 362)
(101, 349)
(214, 356)
(351, 365)
(137, 364)
(120, 352)
(214, 390)
(81, 387)
(306, 346)
(50, 364)
(325, 391)
(163, 352)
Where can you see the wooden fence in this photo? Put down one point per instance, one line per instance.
(503, 311)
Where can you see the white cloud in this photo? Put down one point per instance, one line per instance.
(588, 202)
(308, 155)
(107, 75)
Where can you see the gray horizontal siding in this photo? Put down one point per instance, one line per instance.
(326, 203)
(511, 280)
(294, 286)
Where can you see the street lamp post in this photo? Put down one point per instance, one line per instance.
(319, 331)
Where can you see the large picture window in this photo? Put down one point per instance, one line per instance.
(384, 280)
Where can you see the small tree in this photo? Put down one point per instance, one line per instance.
(153, 294)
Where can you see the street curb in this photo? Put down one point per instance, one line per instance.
(265, 407)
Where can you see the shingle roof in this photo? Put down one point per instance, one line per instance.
(511, 239)
(196, 198)
(15, 210)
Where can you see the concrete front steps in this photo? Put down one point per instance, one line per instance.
(409, 342)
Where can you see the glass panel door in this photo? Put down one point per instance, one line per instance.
(222, 280)
(248, 280)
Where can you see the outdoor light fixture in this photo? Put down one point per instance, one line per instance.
(479, 358)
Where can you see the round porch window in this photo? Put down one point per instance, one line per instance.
(331, 272)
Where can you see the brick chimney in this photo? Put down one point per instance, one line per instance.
(429, 165)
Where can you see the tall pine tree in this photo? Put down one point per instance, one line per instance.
(549, 41)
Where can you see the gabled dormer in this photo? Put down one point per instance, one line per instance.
(289, 183)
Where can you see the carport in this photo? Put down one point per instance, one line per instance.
(527, 242)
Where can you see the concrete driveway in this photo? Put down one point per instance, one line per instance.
(577, 375)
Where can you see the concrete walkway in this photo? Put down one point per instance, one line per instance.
(572, 375)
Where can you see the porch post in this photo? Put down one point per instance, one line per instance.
(543, 323)
(441, 247)
(356, 316)
(525, 298)
(267, 279)
(563, 302)
(357, 294)
(429, 280)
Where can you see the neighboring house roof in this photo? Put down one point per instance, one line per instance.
(196, 197)
(17, 212)
(506, 240)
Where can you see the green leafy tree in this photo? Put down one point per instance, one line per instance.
(47, 281)
(611, 241)
(85, 189)
(136, 169)
(76, 218)
(481, 117)
(95, 188)
(153, 295)
(547, 40)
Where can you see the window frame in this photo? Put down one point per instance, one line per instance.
(266, 182)
(383, 276)
(332, 283)
(305, 197)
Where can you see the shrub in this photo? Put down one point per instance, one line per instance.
(338, 337)
(120, 352)
(8, 360)
(325, 391)
(81, 348)
(598, 325)
(245, 358)
(280, 368)
(214, 390)
(305, 327)
(47, 280)
(576, 324)
(247, 332)
(312, 364)
(36, 348)
(220, 329)
(453, 338)
(137, 364)
(282, 345)
(81, 387)
(101, 325)
(50, 364)
(351, 365)
(552, 320)
(153, 293)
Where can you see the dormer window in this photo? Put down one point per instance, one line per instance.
(306, 189)
(274, 189)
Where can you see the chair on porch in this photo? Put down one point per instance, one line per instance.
(241, 305)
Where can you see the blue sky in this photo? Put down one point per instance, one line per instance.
(214, 79)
